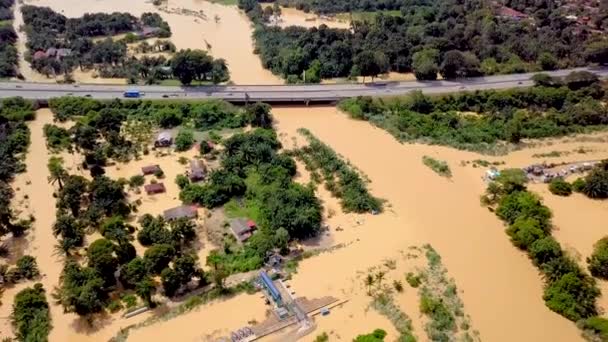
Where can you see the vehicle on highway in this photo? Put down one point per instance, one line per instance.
(132, 93)
(87, 95)
(165, 96)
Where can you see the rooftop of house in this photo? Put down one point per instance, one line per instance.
(164, 135)
(154, 188)
(149, 169)
(187, 211)
(242, 228)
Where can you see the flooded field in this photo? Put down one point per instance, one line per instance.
(294, 17)
(194, 25)
(501, 288)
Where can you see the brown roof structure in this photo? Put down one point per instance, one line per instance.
(242, 228)
(156, 188)
(150, 169)
(187, 211)
(198, 170)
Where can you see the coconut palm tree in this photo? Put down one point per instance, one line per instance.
(57, 173)
(369, 282)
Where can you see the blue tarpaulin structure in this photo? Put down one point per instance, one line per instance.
(269, 285)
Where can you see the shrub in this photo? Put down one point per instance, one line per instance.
(524, 231)
(159, 174)
(184, 140)
(413, 279)
(30, 318)
(598, 261)
(130, 301)
(572, 296)
(182, 181)
(596, 182)
(560, 187)
(136, 181)
(27, 267)
(597, 325)
(440, 167)
(578, 185)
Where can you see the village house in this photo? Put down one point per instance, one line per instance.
(184, 211)
(148, 31)
(163, 139)
(155, 188)
(242, 229)
(150, 169)
(198, 170)
(53, 53)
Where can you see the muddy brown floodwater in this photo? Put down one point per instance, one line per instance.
(502, 291)
(228, 38)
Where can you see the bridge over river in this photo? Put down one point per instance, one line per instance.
(277, 94)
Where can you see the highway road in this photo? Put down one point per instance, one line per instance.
(277, 93)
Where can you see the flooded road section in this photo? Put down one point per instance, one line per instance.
(502, 291)
(196, 24)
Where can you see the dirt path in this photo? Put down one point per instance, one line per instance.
(502, 290)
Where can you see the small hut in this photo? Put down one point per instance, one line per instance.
(198, 170)
(186, 211)
(150, 169)
(242, 228)
(156, 188)
(163, 139)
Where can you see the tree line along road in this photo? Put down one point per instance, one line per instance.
(312, 93)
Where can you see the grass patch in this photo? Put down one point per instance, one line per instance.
(439, 166)
(552, 154)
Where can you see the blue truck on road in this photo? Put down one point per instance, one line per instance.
(132, 93)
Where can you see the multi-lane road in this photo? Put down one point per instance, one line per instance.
(277, 93)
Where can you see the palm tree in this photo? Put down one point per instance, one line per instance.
(369, 282)
(144, 290)
(57, 173)
(379, 277)
(493, 191)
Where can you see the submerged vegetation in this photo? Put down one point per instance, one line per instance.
(504, 116)
(9, 58)
(439, 166)
(340, 178)
(14, 143)
(30, 317)
(569, 291)
(439, 301)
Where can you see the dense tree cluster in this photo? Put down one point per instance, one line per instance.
(569, 291)
(47, 29)
(14, 141)
(596, 182)
(31, 318)
(8, 52)
(189, 65)
(504, 115)
(252, 169)
(455, 38)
